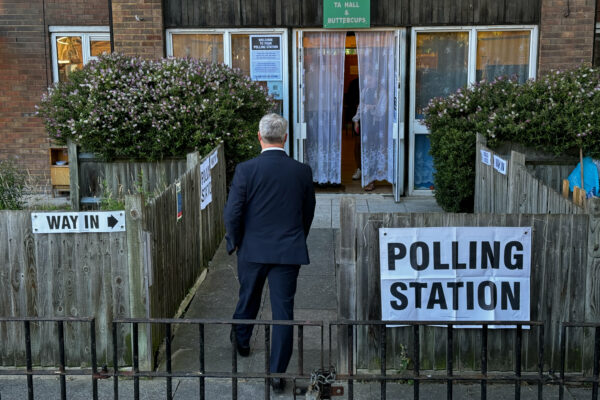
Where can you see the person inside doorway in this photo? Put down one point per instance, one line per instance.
(374, 106)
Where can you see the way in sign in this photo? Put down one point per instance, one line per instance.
(81, 222)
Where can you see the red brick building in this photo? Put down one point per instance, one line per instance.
(41, 41)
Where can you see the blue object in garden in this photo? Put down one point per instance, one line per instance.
(590, 176)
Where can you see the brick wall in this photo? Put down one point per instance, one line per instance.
(138, 28)
(25, 73)
(566, 41)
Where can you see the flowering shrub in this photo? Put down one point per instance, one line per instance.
(127, 107)
(559, 113)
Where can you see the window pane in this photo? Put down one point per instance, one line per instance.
(69, 55)
(502, 53)
(201, 46)
(441, 66)
(423, 163)
(99, 47)
(240, 58)
(240, 53)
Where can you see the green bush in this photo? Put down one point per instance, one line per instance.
(127, 107)
(12, 186)
(559, 113)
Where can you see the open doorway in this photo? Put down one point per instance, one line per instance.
(328, 80)
(351, 149)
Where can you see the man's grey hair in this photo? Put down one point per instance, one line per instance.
(272, 128)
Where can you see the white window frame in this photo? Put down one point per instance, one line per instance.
(415, 125)
(227, 33)
(87, 33)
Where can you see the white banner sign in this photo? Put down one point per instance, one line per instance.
(206, 184)
(486, 157)
(78, 222)
(455, 274)
(500, 165)
(265, 58)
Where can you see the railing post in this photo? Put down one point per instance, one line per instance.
(484, 352)
(416, 361)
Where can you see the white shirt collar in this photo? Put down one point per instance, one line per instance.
(272, 148)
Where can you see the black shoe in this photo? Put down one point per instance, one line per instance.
(278, 385)
(243, 351)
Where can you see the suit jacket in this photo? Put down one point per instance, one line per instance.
(269, 210)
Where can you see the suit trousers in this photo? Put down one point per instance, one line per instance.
(282, 288)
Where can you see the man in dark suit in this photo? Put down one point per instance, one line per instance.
(268, 215)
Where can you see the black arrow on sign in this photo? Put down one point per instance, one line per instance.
(112, 221)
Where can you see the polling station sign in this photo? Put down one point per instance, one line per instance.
(78, 222)
(455, 273)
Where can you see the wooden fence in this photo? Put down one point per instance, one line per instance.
(532, 182)
(145, 271)
(92, 178)
(565, 278)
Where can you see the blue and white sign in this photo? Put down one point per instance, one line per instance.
(265, 58)
(455, 274)
(486, 157)
(206, 184)
(500, 165)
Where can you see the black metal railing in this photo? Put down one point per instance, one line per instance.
(202, 373)
(565, 380)
(301, 374)
(449, 378)
(62, 370)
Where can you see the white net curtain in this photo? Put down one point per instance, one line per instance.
(376, 82)
(324, 54)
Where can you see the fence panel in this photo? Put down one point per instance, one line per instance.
(558, 291)
(59, 275)
(148, 270)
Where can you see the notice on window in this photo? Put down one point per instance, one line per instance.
(265, 58)
(455, 274)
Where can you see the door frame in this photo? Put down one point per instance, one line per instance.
(399, 126)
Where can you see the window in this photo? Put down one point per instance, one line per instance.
(73, 47)
(232, 47)
(446, 59)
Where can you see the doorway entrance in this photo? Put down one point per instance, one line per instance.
(341, 76)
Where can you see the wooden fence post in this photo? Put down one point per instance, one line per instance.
(73, 174)
(192, 160)
(516, 168)
(346, 276)
(592, 277)
(139, 301)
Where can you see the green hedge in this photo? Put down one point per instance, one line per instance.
(559, 113)
(128, 107)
